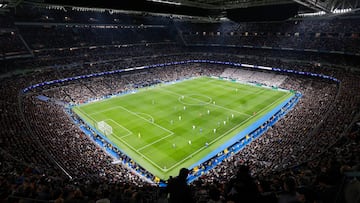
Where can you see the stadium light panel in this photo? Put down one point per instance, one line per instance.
(341, 10)
(166, 2)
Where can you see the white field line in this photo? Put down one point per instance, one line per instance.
(224, 134)
(221, 107)
(105, 110)
(143, 147)
(167, 130)
(152, 118)
(232, 88)
(192, 154)
(129, 132)
(86, 114)
(127, 144)
(261, 89)
(142, 155)
(140, 89)
(136, 114)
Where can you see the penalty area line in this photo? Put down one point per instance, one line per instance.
(224, 134)
(128, 145)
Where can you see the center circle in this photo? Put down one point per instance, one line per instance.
(195, 99)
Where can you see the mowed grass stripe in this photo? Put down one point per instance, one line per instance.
(153, 149)
(119, 141)
(198, 141)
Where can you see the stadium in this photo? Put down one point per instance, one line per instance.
(180, 101)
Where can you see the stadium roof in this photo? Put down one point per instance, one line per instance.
(239, 10)
(318, 5)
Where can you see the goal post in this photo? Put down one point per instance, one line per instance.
(104, 128)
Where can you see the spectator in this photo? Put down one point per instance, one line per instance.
(179, 191)
(242, 188)
(289, 194)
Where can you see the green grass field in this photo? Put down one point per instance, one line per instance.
(155, 125)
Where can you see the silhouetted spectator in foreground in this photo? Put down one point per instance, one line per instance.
(242, 188)
(289, 194)
(178, 189)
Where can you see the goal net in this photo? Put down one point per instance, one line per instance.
(105, 128)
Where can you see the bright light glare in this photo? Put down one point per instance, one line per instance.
(166, 2)
(341, 10)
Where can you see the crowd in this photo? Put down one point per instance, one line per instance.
(66, 31)
(50, 127)
(266, 78)
(67, 14)
(324, 35)
(54, 37)
(304, 157)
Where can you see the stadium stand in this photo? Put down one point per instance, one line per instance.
(337, 35)
(308, 156)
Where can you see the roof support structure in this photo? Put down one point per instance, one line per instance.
(226, 4)
(344, 4)
(318, 5)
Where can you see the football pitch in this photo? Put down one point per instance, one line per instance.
(169, 126)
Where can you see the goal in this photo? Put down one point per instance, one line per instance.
(104, 128)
